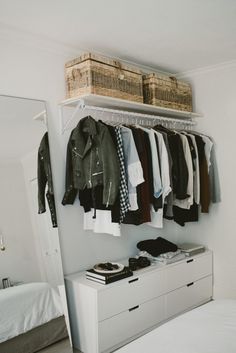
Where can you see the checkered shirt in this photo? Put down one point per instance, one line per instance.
(124, 194)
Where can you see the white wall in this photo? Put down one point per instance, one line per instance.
(215, 98)
(18, 260)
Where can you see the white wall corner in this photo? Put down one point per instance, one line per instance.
(206, 69)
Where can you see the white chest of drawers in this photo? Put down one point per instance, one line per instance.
(104, 317)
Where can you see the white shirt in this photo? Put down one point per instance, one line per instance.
(164, 162)
(102, 223)
(157, 217)
(133, 166)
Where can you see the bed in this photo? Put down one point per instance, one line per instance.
(210, 328)
(31, 318)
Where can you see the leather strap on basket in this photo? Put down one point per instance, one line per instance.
(121, 72)
(174, 82)
(75, 73)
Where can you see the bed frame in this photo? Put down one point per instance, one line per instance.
(37, 338)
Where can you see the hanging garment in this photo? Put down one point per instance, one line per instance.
(143, 190)
(188, 201)
(123, 188)
(115, 208)
(157, 183)
(183, 215)
(196, 176)
(133, 166)
(214, 177)
(178, 171)
(88, 162)
(179, 166)
(157, 216)
(164, 165)
(207, 148)
(45, 178)
(100, 219)
(161, 174)
(168, 206)
(141, 215)
(102, 223)
(205, 197)
(187, 210)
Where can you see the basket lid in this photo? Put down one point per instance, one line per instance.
(102, 60)
(162, 76)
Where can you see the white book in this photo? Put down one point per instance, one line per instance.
(191, 247)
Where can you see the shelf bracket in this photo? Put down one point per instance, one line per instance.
(42, 116)
(79, 106)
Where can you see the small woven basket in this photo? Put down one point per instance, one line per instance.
(164, 91)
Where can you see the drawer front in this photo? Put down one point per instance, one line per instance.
(188, 296)
(191, 270)
(131, 292)
(121, 327)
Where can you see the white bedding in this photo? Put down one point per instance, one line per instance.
(27, 306)
(210, 328)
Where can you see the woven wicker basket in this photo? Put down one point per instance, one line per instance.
(94, 74)
(168, 92)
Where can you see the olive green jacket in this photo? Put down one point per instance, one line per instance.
(91, 160)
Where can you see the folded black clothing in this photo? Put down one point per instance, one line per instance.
(157, 246)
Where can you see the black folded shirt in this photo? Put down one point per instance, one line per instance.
(156, 246)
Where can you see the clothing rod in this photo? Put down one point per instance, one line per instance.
(138, 115)
(81, 106)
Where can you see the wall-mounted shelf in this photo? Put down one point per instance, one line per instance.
(121, 104)
(140, 112)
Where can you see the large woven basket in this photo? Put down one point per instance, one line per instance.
(164, 91)
(94, 74)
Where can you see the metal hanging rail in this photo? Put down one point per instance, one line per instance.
(123, 116)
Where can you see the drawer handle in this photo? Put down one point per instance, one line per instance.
(134, 308)
(188, 261)
(133, 280)
(190, 284)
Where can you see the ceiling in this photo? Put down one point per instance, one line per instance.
(170, 35)
(19, 133)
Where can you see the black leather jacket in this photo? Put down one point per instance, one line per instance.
(45, 178)
(91, 161)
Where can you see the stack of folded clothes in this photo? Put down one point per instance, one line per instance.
(160, 250)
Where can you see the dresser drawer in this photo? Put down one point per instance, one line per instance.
(128, 293)
(121, 327)
(188, 296)
(188, 271)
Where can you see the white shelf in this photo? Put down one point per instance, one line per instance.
(121, 104)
